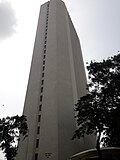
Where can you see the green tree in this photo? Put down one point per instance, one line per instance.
(99, 111)
(10, 129)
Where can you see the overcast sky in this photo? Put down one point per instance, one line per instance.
(98, 26)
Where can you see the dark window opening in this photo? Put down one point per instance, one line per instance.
(41, 98)
(42, 82)
(37, 143)
(41, 89)
(36, 156)
(40, 106)
(44, 46)
(42, 74)
(39, 118)
(44, 51)
(44, 56)
(43, 68)
(38, 130)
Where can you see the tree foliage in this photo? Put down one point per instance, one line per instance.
(99, 110)
(10, 129)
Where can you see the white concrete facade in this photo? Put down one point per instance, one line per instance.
(57, 79)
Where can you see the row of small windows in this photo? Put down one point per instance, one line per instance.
(47, 24)
(44, 56)
(45, 42)
(47, 20)
(43, 68)
(42, 81)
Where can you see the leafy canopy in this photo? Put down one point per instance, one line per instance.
(99, 110)
(10, 129)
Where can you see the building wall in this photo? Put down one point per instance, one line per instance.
(57, 79)
(32, 101)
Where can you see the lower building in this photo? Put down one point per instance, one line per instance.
(108, 153)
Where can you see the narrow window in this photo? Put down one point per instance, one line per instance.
(37, 143)
(41, 89)
(38, 130)
(42, 74)
(44, 56)
(40, 106)
(42, 82)
(44, 51)
(43, 68)
(41, 98)
(43, 62)
(39, 118)
(36, 156)
(44, 46)
(45, 42)
(45, 37)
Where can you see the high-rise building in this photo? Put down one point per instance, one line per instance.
(57, 79)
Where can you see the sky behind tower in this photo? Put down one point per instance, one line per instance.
(98, 26)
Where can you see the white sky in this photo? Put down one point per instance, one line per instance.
(98, 26)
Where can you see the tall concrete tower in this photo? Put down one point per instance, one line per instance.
(57, 79)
